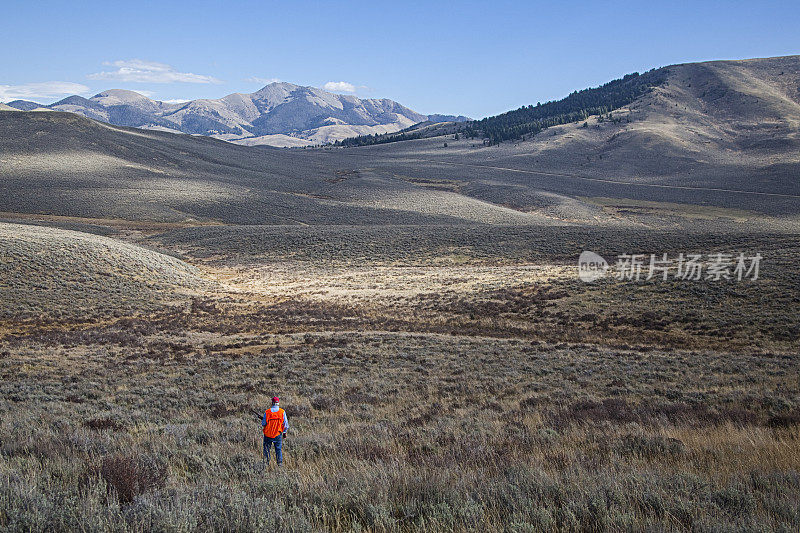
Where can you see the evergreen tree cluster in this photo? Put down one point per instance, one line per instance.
(366, 140)
(579, 105)
(530, 120)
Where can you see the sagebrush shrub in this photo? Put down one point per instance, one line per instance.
(129, 476)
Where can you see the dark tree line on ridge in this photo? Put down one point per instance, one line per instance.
(530, 120)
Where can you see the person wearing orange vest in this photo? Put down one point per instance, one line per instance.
(275, 425)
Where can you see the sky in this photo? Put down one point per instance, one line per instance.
(467, 58)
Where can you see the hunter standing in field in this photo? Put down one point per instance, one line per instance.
(275, 425)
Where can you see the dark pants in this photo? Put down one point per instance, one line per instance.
(278, 442)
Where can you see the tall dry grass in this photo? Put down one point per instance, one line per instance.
(397, 432)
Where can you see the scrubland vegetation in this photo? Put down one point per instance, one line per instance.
(396, 432)
(460, 389)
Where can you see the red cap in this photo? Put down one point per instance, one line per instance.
(275, 399)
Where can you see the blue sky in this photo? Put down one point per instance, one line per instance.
(472, 58)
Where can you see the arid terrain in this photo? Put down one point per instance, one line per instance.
(441, 380)
(419, 312)
(716, 145)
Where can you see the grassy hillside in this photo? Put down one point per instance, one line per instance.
(65, 165)
(721, 134)
(50, 275)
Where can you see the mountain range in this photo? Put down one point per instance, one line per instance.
(279, 114)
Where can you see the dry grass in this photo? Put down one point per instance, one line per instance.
(58, 275)
(456, 395)
(394, 432)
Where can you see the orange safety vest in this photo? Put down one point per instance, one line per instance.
(274, 426)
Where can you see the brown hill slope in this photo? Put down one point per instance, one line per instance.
(63, 164)
(723, 133)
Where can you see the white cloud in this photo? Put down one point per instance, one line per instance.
(47, 89)
(264, 81)
(175, 101)
(138, 70)
(340, 87)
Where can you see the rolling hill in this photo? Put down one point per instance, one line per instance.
(280, 114)
(712, 146)
(24, 105)
(53, 273)
(721, 133)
